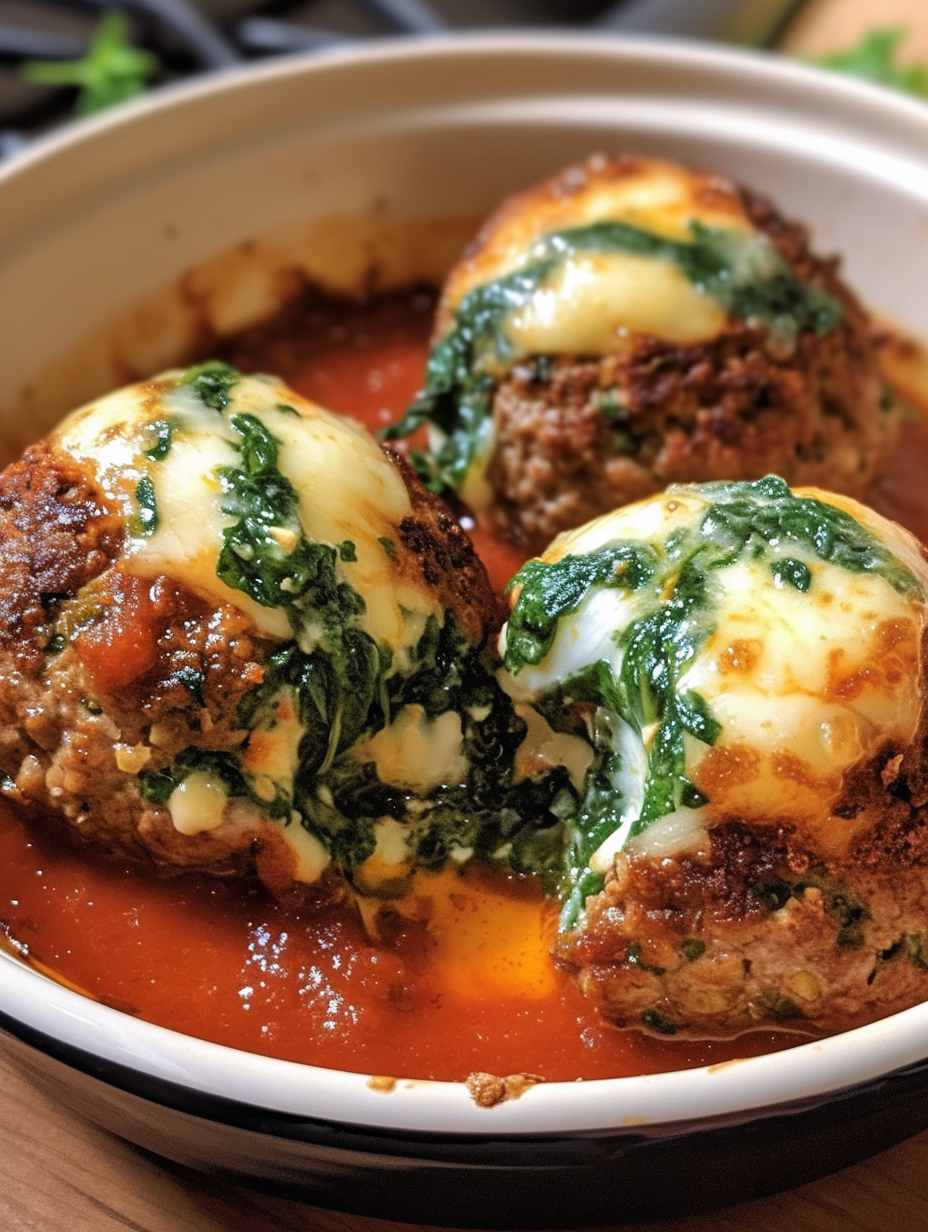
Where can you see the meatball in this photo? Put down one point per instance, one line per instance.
(237, 635)
(747, 667)
(629, 324)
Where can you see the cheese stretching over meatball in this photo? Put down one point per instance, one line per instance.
(611, 265)
(631, 323)
(236, 633)
(747, 665)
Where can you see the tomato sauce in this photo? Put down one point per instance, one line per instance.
(122, 646)
(455, 979)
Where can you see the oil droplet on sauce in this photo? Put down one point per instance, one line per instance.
(486, 938)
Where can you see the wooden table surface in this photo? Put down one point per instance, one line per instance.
(58, 1174)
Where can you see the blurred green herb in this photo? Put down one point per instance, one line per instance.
(111, 72)
(876, 58)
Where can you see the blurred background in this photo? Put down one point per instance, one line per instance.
(59, 58)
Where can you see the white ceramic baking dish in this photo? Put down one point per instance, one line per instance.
(127, 243)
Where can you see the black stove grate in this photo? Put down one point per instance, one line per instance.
(191, 36)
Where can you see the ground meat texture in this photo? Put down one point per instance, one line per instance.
(764, 930)
(57, 532)
(152, 670)
(578, 436)
(446, 560)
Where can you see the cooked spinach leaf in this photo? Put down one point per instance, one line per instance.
(759, 519)
(549, 592)
(157, 786)
(597, 815)
(335, 688)
(158, 434)
(789, 572)
(265, 553)
(765, 517)
(212, 382)
(656, 1021)
(145, 521)
(340, 797)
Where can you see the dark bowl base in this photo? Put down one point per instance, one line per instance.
(479, 1182)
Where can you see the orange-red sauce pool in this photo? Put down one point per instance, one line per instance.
(472, 990)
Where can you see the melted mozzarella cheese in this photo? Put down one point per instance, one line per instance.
(198, 803)
(321, 454)
(391, 861)
(805, 686)
(543, 748)
(588, 635)
(650, 520)
(418, 752)
(271, 757)
(595, 300)
(310, 856)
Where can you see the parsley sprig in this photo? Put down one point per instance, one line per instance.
(111, 72)
(876, 58)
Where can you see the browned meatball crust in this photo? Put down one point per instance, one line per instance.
(73, 739)
(758, 934)
(446, 558)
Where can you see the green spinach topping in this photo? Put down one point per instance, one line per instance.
(265, 553)
(159, 434)
(145, 521)
(343, 688)
(671, 590)
(334, 666)
(337, 795)
(790, 572)
(744, 273)
(212, 383)
(763, 517)
(549, 592)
